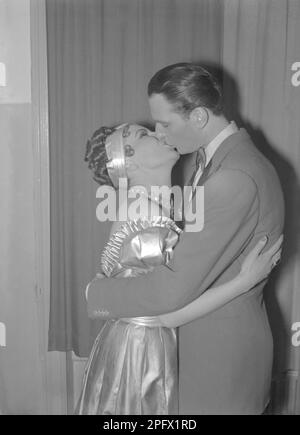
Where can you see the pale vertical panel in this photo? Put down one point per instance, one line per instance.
(261, 41)
(292, 102)
(15, 50)
(21, 389)
(53, 365)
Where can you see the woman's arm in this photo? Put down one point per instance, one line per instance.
(255, 268)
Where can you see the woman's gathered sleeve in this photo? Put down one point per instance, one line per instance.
(139, 246)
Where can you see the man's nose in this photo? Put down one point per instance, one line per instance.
(159, 132)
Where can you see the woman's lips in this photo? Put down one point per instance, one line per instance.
(164, 143)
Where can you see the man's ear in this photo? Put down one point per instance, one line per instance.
(199, 117)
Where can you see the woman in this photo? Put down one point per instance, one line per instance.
(132, 368)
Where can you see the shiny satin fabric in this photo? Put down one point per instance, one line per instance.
(139, 246)
(132, 370)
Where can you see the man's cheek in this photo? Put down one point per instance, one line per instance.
(176, 136)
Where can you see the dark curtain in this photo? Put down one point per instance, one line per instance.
(101, 55)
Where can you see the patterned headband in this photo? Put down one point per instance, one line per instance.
(116, 165)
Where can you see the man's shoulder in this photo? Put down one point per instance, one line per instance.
(241, 154)
(245, 155)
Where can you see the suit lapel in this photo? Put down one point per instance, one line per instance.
(216, 161)
(224, 149)
(205, 175)
(189, 162)
(189, 165)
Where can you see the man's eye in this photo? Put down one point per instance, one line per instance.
(143, 133)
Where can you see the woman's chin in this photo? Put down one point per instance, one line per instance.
(176, 156)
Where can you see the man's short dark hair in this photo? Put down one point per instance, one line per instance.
(187, 86)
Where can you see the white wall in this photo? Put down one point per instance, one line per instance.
(21, 390)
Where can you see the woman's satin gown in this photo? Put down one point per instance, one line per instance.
(132, 368)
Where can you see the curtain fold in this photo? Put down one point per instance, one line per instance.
(101, 55)
(261, 43)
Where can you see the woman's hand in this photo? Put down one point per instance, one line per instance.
(257, 266)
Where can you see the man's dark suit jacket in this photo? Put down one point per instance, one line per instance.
(225, 358)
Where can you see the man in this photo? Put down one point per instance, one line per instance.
(225, 358)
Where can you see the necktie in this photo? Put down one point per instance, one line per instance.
(200, 165)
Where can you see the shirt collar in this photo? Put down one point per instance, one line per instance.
(213, 145)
